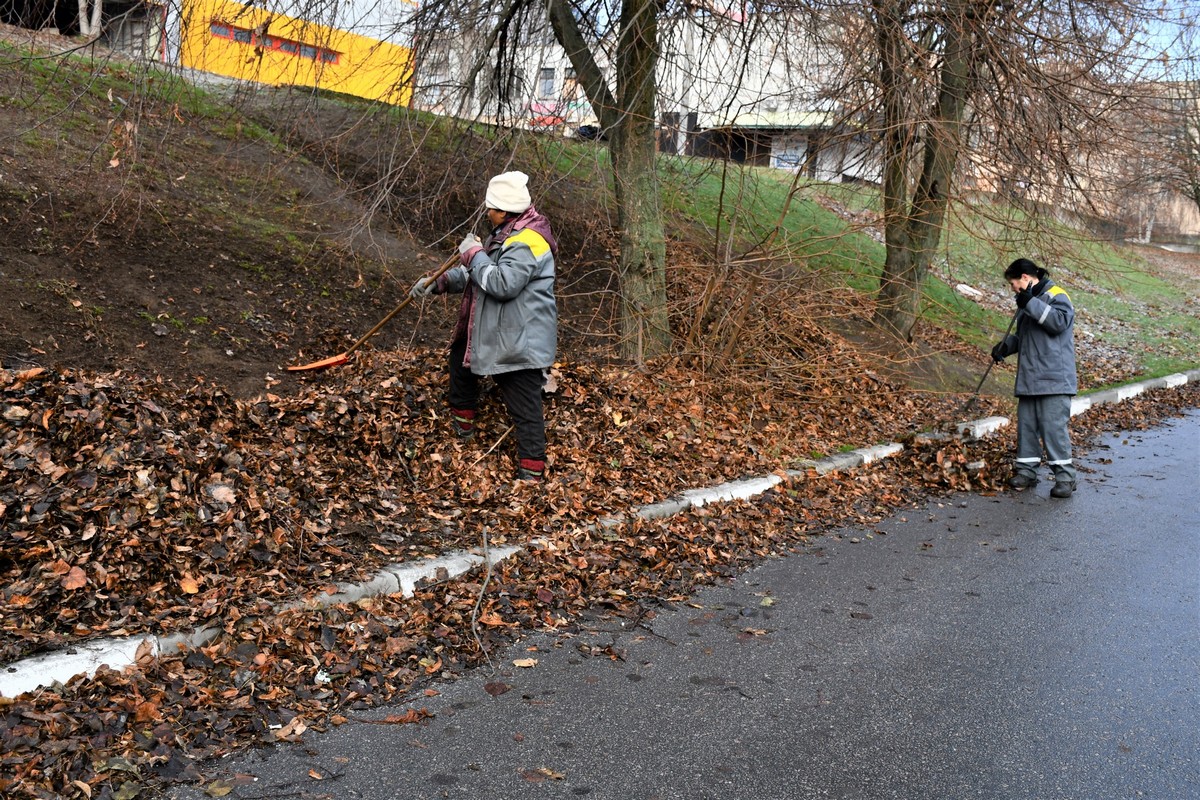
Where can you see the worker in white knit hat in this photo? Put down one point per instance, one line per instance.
(508, 320)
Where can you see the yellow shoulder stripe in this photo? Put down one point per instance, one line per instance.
(1055, 290)
(532, 239)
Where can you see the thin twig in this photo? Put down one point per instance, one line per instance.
(487, 576)
(488, 452)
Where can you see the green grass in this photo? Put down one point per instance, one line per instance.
(1112, 286)
(747, 203)
(254, 268)
(35, 140)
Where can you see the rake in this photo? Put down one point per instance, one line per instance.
(342, 358)
(975, 395)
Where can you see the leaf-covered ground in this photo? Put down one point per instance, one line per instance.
(129, 505)
(126, 509)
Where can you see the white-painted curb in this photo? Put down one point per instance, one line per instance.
(979, 428)
(86, 658)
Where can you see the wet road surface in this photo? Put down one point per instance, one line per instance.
(1001, 647)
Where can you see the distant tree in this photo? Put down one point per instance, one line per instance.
(1184, 137)
(928, 66)
(1034, 93)
(1181, 117)
(89, 18)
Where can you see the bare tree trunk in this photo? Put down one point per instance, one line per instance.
(912, 232)
(89, 25)
(893, 306)
(628, 118)
(644, 329)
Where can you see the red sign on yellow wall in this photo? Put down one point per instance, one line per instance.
(254, 44)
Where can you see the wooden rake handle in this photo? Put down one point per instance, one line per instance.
(442, 270)
(341, 358)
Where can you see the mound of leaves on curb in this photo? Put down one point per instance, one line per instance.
(307, 477)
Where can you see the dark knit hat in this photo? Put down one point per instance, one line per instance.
(1023, 266)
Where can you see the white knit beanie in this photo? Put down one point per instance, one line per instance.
(509, 192)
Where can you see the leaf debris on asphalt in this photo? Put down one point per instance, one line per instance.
(128, 509)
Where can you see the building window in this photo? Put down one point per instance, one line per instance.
(222, 30)
(570, 90)
(546, 83)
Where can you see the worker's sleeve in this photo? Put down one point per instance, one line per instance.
(1055, 315)
(506, 278)
(453, 281)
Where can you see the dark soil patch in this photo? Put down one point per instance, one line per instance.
(186, 301)
(194, 248)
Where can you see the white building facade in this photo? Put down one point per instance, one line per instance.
(729, 86)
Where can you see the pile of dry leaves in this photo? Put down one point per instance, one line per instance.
(126, 508)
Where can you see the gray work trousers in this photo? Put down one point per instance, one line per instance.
(1042, 420)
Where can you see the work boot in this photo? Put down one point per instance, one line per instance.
(464, 422)
(1063, 489)
(1022, 481)
(531, 469)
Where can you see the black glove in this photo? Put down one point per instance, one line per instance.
(999, 353)
(1029, 292)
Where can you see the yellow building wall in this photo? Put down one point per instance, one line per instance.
(364, 67)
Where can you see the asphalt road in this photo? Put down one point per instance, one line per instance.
(1000, 647)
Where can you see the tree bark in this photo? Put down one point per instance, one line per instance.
(644, 329)
(913, 228)
(628, 118)
(892, 305)
(89, 24)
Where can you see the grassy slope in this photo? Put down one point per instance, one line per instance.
(827, 228)
(1137, 308)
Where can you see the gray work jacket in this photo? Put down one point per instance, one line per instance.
(1045, 345)
(514, 323)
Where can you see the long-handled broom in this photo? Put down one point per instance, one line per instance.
(975, 395)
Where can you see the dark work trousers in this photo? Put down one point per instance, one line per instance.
(522, 393)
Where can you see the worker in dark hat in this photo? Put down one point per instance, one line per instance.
(1044, 344)
(508, 320)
